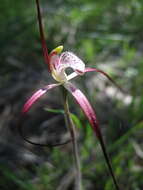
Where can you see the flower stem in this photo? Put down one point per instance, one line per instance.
(71, 127)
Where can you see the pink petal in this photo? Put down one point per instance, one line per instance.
(85, 106)
(36, 96)
(54, 60)
(91, 116)
(105, 74)
(69, 59)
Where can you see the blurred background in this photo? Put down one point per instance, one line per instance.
(105, 34)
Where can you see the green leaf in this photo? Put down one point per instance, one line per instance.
(61, 111)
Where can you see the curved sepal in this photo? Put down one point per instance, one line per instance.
(88, 69)
(85, 106)
(91, 116)
(36, 96)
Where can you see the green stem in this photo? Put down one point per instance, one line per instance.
(71, 127)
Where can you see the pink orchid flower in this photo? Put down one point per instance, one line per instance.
(57, 64)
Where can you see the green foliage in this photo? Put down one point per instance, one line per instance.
(107, 34)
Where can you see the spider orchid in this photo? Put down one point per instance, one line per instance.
(57, 63)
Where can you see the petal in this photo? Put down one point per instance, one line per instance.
(85, 106)
(72, 75)
(54, 61)
(36, 96)
(106, 75)
(58, 64)
(69, 59)
(91, 116)
(54, 57)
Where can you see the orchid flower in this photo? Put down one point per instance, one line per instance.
(57, 63)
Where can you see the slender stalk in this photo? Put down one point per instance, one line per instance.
(71, 127)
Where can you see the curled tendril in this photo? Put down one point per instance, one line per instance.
(20, 131)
